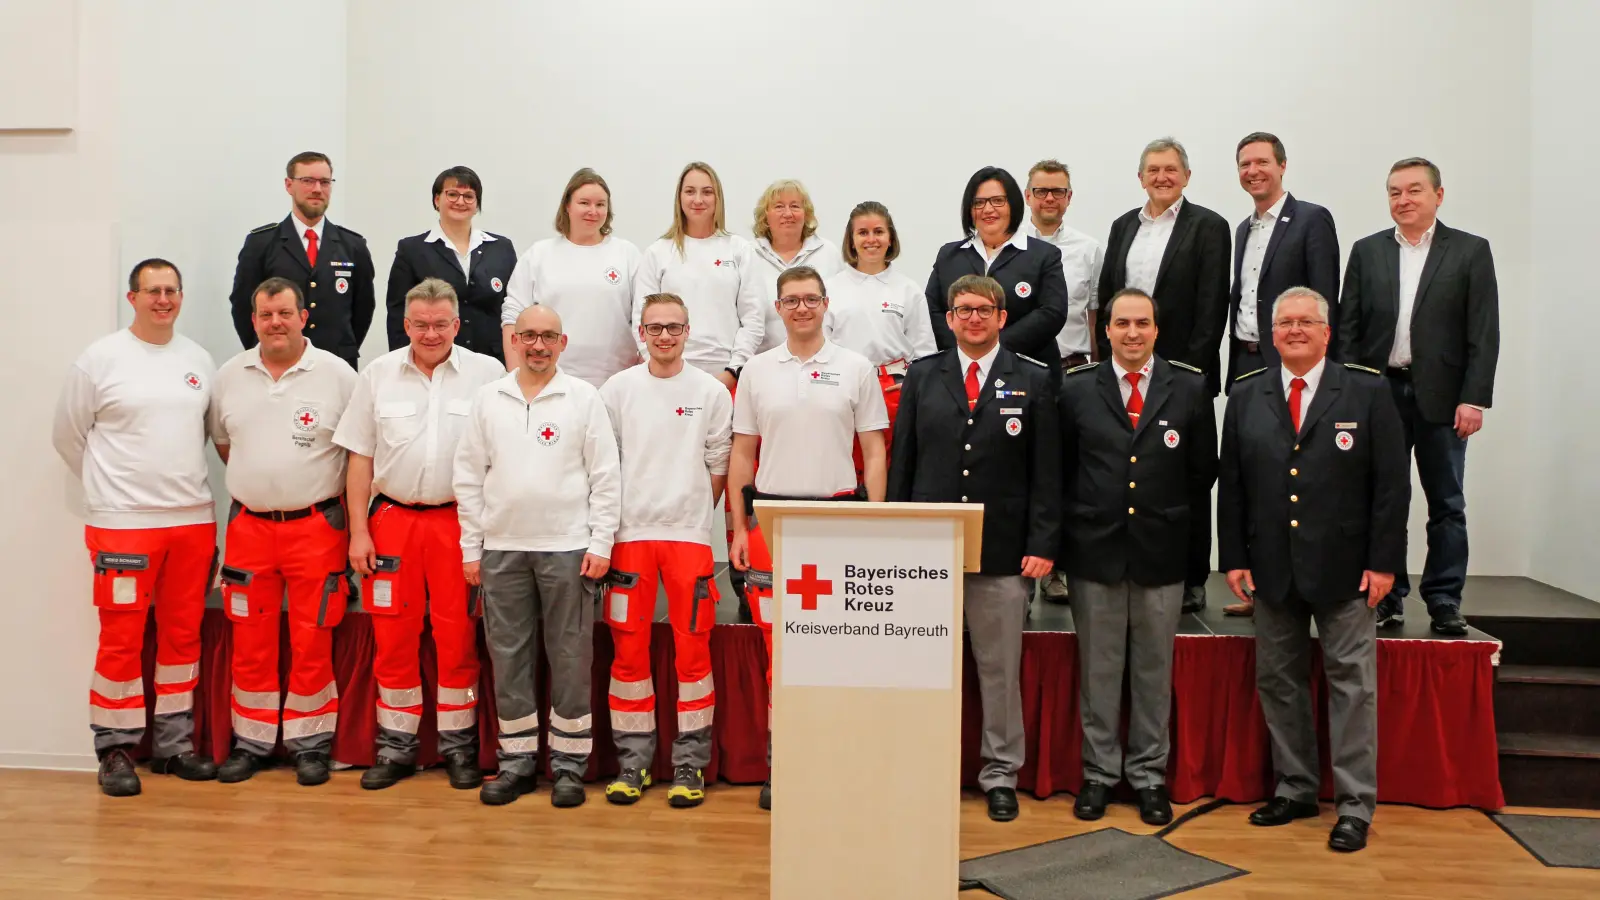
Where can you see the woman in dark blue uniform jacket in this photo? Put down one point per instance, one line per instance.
(476, 263)
(1029, 269)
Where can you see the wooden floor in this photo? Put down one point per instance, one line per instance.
(269, 838)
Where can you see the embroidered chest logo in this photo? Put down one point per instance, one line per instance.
(342, 285)
(687, 412)
(496, 284)
(1013, 427)
(1170, 439)
(1024, 289)
(548, 434)
(612, 275)
(1343, 440)
(725, 264)
(192, 380)
(820, 377)
(306, 419)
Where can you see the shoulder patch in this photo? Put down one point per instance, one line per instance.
(1184, 365)
(1248, 374)
(1083, 368)
(1032, 360)
(267, 227)
(1362, 368)
(354, 234)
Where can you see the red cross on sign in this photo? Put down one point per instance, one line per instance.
(808, 587)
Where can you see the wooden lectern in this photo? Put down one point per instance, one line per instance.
(866, 696)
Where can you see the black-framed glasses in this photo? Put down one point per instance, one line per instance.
(1052, 193)
(654, 329)
(999, 202)
(309, 182)
(467, 196)
(812, 301)
(982, 312)
(550, 338)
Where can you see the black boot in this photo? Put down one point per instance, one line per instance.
(117, 775)
(506, 787)
(462, 767)
(241, 765)
(311, 768)
(186, 765)
(386, 773)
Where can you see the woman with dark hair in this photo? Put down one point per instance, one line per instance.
(1029, 269)
(475, 263)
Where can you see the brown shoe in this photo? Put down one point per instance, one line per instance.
(1239, 609)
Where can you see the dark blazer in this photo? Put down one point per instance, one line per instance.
(339, 291)
(1302, 252)
(1191, 290)
(1455, 320)
(1137, 501)
(1036, 295)
(479, 297)
(1316, 509)
(944, 452)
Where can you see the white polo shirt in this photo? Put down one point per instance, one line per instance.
(591, 289)
(281, 432)
(673, 434)
(410, 423)
(540, 476)
(131, 422)
(766, 265)
(807, 413)
(715, 277)
(883, 317)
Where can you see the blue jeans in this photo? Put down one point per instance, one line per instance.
(1442, 468)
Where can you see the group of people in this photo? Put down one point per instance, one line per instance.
(548, 437)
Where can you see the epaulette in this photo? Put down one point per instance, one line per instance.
(1083, 368)
(267, 227)
(1032, 360)
(354, 234)
(1248, 374)
(1184, 365)
(1362, 368)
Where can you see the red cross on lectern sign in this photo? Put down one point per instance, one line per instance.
(808, 587)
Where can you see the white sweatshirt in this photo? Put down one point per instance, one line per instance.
(131, 423)
(540, 476)
(883, 317)
(673, 434)
(818, 253)
(591, 289)
(714, 276)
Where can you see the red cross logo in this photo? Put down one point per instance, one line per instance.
(717, 263)
(548, 433)
(885, 304)
(680, 410)
(305, 418)
(613, 276)
(1344, 440)
(815, 374)
(808, 587)
(192, 380)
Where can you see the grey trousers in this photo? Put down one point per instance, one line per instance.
(1283, 679)
(521, 591)
(173, 734)
(996, 608)
(1125, 627)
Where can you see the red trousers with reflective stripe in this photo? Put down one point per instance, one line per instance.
(429, 582)
(306, 560)
(891, 399)
(169, 568)
(686, 570)
(760, 597)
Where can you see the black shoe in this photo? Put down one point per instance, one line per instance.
(1448, 622)
(1391, 612)
(688, 787)
(462, 767)
(1054, 588)
(185, 765)
(385, 774)
(117, 775)
(1194, 598)
(507, 787)
(1002, 804)
(240, 765)
(311, 768)
(1155, 808)
(1092, 800)
(765, 800)
(1282, 811)
(568, 791)
(1349, 835)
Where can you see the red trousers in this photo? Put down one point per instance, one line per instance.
(686, 570)
(135, 568)
(891, 399)
(758, 592)
(423, 547)
(306, 560)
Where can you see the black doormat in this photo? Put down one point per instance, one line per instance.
(1109, 864)
(1561, 841)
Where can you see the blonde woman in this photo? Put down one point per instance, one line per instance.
(586, 275)
(698, 260)
(785, 227)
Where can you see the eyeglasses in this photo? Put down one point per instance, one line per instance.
(549, 338)
(982, 312)
(1297, 324)
(161, 291)
(672, 328)
(307, 181)
(812, 301)
(1000, 202)
(430, 327)
(1052, 193)
(462, 196)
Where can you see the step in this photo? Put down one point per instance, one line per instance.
(1568, 746)
(1573, 675)
(1525, 640)
(1551, 770)
(1547, 700)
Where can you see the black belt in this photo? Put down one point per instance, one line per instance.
(1251, 346)
(291, 515)
(751, 495)
(1398, 372)
(414, 507)
(1073, 360)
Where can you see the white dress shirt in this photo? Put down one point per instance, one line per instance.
(1246, 326)
(465, 259)
(1081, 258)
(1125, 386)
(1018, 240)
(883, 317)
(301, 228)
(985, 363)
(1149, 244)
(409, 423)
(1312, 379)
(1412, 259)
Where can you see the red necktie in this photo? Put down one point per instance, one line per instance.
(1296, 385)
(972, 386)
(1135, 402)
(311, 247)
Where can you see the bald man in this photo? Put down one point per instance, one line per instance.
(539, 491)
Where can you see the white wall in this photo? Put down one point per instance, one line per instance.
(1564, 481)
